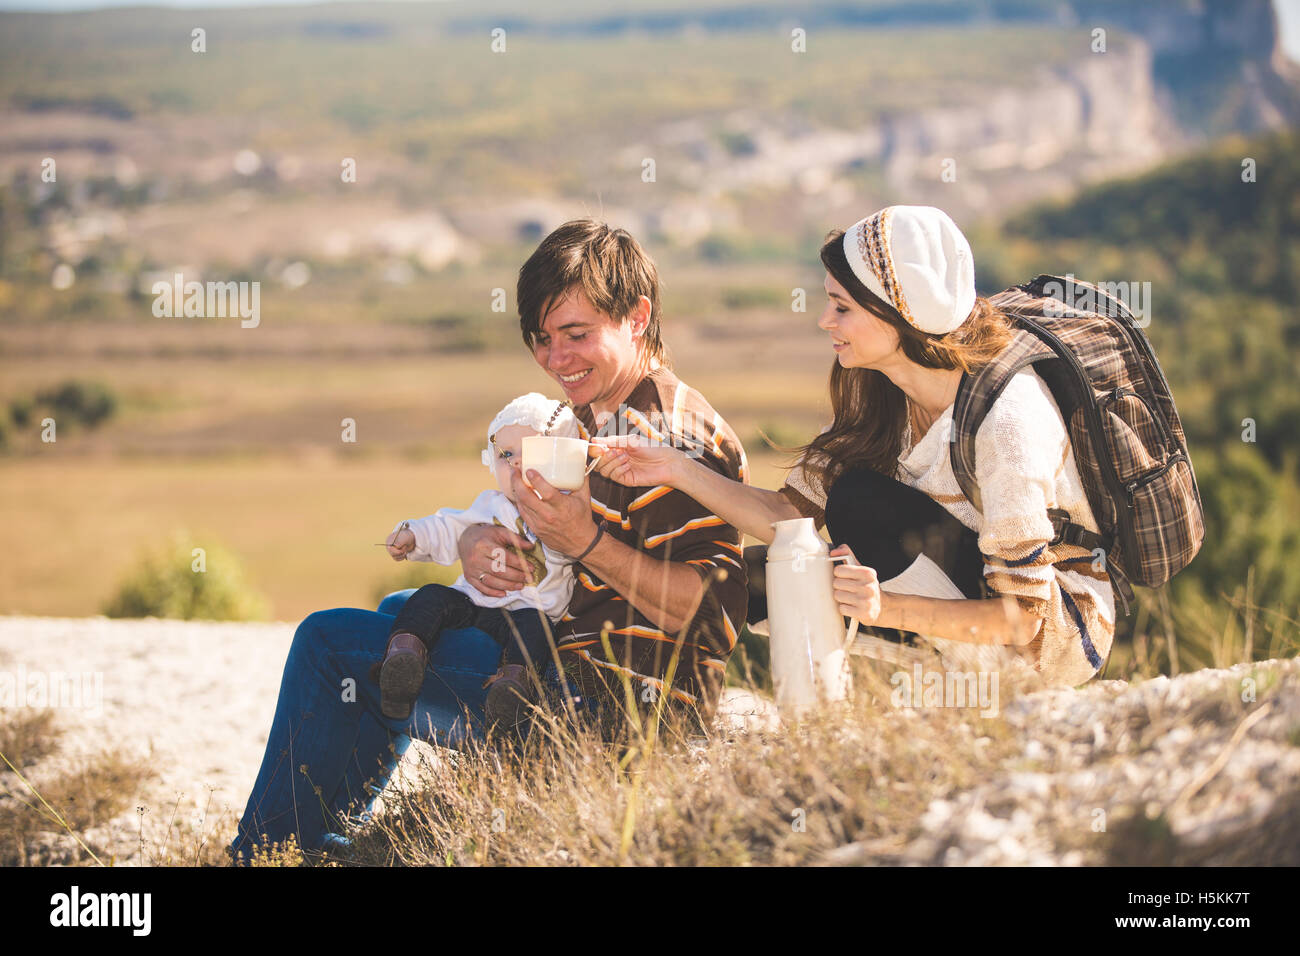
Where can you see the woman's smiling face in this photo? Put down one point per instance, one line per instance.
(859, 338)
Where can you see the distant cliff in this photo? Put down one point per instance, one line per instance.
(1175, 75)
(1091, 118)
(1100, 116)
(1223, 63)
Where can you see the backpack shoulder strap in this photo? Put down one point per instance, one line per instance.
(975, 397)
(1026, 306)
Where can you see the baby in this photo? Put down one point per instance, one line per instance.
(520, 621)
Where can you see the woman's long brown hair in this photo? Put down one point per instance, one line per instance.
(870, 411)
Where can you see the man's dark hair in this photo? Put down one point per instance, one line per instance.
(608, 265)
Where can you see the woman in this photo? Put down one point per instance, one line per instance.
(905, 323)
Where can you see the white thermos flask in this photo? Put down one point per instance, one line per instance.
(805, 627)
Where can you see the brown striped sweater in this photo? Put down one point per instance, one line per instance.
(668, 526)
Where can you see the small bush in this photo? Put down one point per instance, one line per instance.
(87, 403)
(72, 404)
(175, 582)
(20, 411)
(81, 403)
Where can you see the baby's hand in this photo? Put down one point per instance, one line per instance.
(400, 543)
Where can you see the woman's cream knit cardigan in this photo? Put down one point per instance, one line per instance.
(1024, 465)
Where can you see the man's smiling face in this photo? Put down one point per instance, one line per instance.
(597, 360)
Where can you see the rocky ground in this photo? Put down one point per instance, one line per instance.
(1202, 768)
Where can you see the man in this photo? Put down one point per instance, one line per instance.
(661, 580)
(660, 577)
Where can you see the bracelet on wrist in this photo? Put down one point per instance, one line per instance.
(600, 533)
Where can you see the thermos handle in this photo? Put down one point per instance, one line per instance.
(853, 622)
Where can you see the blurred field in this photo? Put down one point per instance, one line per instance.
(423, 399)
(71, 523)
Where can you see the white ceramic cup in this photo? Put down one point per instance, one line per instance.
(561, 461)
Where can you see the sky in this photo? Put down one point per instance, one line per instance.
(1288, 11)
(1288, 15)
(56, 6)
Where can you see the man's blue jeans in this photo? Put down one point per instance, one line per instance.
(330, 746)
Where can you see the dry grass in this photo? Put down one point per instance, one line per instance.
(1185, 633)
(65, 809)
(194, 842)
(852, 783)
(41, 815)
(852, 779)
(27, 736)
(663, 797)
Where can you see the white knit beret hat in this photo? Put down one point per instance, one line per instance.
(536, 411)
(917, 260)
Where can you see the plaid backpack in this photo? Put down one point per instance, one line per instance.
(1120, 415)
